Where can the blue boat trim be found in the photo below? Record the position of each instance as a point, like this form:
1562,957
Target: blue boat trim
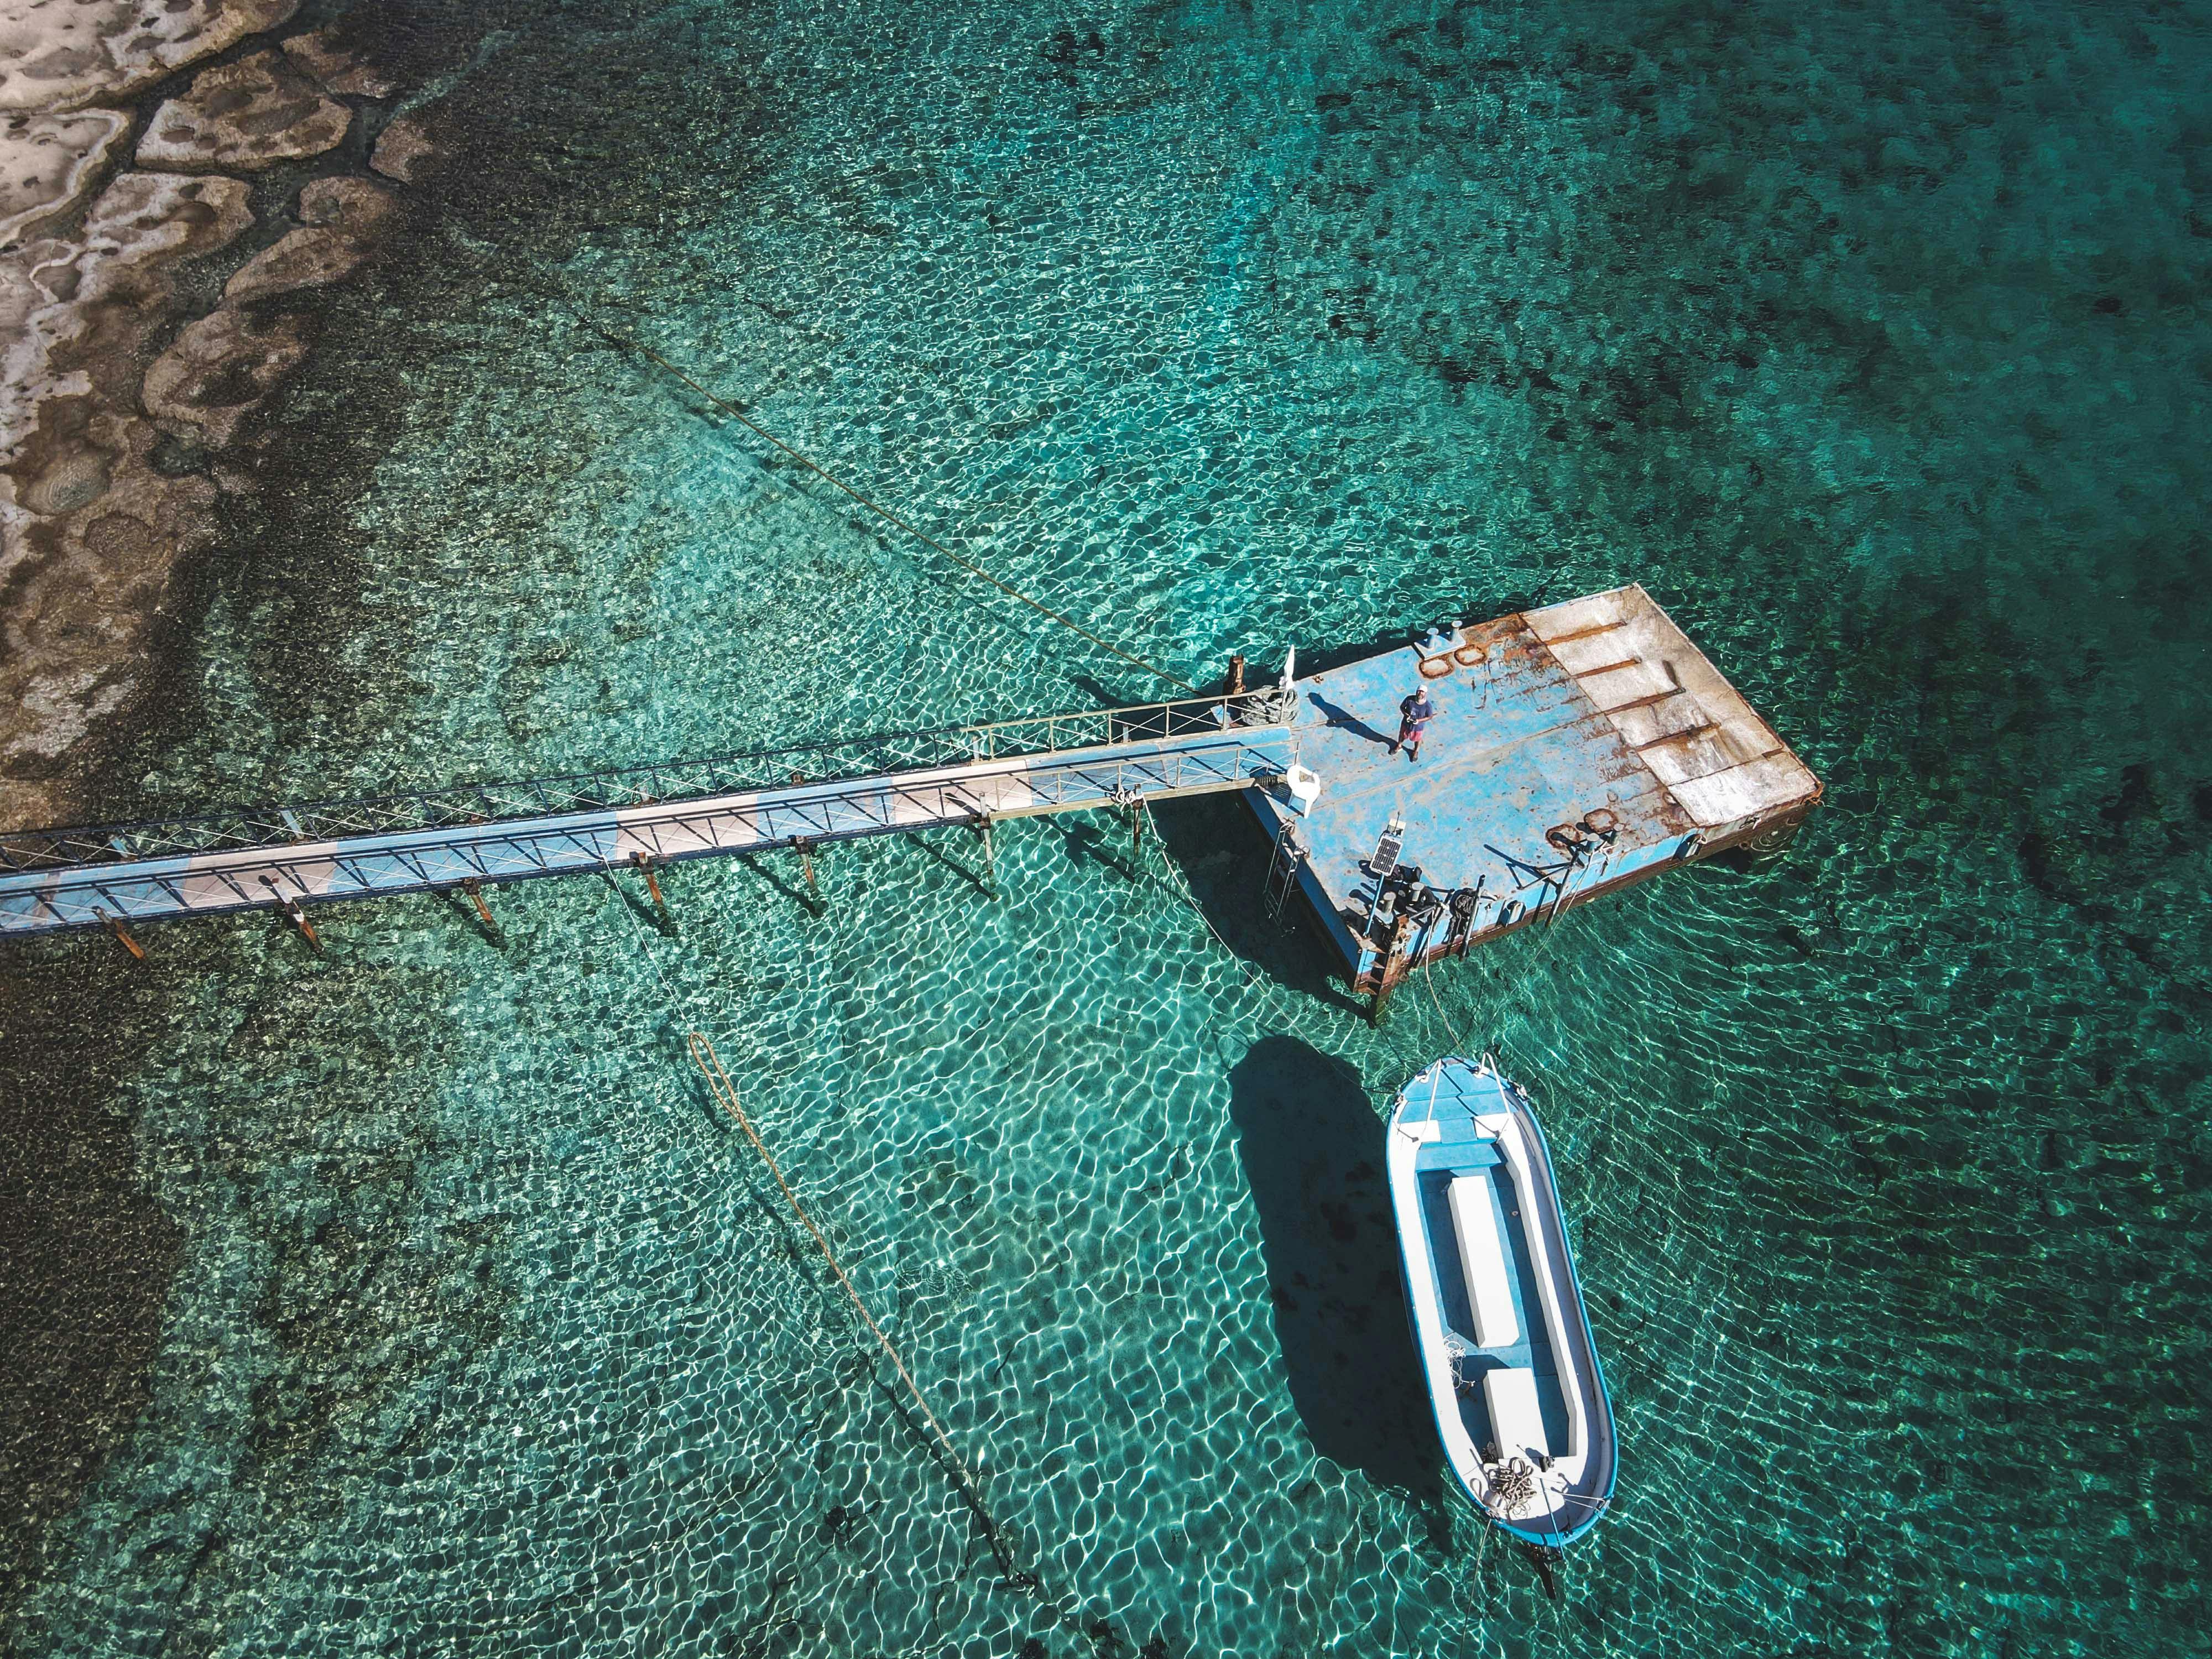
1496,1305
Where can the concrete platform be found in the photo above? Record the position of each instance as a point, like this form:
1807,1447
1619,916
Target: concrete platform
1596,713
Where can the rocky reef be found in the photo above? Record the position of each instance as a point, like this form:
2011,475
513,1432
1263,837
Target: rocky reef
154,298
245,116
124,418
343,221
48,163
62,54
328,58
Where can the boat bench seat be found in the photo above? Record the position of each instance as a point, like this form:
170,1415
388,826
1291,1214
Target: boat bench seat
1457,1154
1516,1420
1482,1259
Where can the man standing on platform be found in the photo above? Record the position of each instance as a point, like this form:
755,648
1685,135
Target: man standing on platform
1414,714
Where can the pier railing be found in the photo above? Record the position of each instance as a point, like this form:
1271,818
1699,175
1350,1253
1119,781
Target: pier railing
456,805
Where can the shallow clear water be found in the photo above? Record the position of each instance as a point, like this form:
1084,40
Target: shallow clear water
1871,340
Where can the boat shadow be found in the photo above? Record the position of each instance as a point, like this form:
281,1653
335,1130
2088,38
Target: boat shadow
1313,1154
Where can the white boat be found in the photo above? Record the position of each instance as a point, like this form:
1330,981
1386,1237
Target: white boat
1497,1318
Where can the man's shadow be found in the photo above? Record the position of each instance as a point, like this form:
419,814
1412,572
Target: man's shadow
1346,720
1312,1149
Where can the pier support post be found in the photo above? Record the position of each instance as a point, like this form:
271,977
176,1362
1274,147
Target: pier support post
114,924
297,916
982,827
1393,965
292,911
474,889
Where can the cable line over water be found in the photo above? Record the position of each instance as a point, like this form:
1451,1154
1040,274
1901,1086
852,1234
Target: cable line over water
624,343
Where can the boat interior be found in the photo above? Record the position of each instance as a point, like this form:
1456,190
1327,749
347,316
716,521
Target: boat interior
1496,1312
1510,1397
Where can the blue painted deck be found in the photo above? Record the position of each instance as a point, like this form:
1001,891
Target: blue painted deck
1541,718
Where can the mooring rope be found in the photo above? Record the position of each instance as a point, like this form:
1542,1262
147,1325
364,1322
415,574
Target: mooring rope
761,432
725,1094
1456,1037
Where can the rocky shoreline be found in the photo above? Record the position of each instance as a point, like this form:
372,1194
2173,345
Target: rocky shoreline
147,318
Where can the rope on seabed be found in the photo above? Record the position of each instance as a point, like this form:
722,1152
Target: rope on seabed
558,290
725,1094
882,512
964,1481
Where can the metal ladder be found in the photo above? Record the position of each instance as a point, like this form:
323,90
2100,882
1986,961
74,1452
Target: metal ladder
1289,858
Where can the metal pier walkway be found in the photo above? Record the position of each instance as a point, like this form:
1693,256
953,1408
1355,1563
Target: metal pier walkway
287,856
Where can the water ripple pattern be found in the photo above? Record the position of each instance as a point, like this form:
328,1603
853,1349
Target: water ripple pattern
1869,339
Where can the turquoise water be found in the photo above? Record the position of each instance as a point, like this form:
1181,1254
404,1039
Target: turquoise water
1872,340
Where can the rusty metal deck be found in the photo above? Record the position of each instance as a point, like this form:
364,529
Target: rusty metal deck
1574,748
1598,711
